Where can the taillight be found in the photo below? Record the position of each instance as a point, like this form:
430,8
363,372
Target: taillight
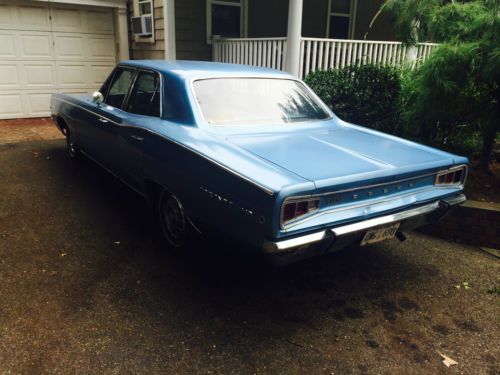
296,209
454,177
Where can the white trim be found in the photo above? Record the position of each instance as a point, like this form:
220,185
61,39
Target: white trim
243,4
351,15
169,29
97,3
121,34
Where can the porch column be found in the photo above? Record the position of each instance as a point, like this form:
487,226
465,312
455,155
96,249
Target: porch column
293,37
122,33
169,29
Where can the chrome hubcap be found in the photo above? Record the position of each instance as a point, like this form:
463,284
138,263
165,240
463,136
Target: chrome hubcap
173,220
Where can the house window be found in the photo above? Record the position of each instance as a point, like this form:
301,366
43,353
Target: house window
143,21
145,7
225,18
340,23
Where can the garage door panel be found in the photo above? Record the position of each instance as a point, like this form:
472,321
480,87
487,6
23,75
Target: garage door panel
6,16
71,75
100,21
9,77
38,75
98,74
11,105
38,103
33,17
73,52
101,48
7,46
69,46
67,19
35,46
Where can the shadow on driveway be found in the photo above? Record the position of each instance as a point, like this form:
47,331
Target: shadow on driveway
88,285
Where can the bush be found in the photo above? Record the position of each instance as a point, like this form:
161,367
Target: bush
394,100
367,95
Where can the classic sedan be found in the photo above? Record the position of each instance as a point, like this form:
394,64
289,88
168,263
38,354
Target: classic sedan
255,155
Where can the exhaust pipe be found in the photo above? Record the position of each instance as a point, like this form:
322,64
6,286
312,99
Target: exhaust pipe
400,236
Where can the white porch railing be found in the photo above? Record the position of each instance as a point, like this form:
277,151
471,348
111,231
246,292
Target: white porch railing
317,53
267,52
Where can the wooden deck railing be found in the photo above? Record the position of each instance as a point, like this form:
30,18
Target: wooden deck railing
317,53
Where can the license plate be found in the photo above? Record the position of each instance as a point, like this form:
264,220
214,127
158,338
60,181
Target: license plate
380,234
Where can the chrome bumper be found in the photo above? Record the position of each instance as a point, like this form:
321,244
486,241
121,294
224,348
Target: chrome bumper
336,233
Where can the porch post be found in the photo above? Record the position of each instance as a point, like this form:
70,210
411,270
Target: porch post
169,29
294,36
121,33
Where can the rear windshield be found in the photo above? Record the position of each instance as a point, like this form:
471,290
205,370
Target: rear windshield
256,101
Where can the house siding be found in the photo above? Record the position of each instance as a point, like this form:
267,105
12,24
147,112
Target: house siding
191,30
270,19
147,50
314,16
267,19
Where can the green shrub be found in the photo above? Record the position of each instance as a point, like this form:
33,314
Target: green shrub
458,86
367,95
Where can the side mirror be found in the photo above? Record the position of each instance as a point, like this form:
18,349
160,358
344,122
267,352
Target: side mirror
97,97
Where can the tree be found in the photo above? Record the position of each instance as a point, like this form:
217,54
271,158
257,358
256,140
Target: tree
457,88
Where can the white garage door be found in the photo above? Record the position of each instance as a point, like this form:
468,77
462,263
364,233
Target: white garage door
47,48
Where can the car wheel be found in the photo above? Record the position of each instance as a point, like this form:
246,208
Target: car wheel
173,220
73,150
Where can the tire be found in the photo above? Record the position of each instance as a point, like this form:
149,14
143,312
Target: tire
173,221
71,146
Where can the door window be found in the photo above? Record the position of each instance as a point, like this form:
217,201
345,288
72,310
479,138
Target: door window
145,96
340,19
119,87
224,18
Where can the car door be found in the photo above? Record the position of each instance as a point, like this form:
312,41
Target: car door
103,121
141,111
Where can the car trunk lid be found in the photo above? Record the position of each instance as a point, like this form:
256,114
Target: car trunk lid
343,155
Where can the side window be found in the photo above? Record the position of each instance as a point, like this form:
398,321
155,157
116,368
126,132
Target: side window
145,96
105,86
119,87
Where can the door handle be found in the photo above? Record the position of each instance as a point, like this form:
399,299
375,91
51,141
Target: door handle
137,138
103,120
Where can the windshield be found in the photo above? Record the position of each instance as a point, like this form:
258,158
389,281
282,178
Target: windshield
256,101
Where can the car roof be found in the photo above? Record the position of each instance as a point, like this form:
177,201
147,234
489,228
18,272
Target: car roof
205,69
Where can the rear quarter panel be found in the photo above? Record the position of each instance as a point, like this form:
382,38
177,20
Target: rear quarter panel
210,194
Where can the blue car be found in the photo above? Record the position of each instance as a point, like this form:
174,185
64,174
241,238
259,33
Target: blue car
253,154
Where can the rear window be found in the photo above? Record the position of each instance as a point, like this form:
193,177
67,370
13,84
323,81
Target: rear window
256,101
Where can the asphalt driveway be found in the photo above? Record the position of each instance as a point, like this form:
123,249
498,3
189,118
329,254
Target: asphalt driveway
87,286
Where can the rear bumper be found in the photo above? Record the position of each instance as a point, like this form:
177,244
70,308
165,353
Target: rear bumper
331,239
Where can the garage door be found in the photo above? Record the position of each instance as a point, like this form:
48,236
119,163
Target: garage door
47,48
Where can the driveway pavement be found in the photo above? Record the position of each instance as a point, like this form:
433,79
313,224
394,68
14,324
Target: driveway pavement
87,286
